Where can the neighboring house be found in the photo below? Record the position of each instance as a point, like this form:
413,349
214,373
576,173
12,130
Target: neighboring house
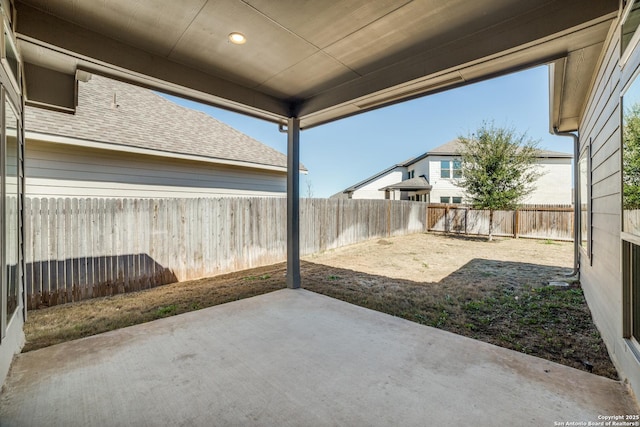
127,141
432,178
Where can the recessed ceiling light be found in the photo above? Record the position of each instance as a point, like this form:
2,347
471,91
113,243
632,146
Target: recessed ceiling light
237,38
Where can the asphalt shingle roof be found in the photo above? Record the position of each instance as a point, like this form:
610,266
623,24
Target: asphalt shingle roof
114,112
452,147
414,184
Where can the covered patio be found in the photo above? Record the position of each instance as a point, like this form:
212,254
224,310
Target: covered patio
303,66
296,358
293,357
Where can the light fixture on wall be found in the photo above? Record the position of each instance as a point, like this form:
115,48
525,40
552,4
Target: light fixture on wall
237,38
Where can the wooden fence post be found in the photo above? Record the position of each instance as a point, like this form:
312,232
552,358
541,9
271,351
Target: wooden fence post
516,223
466,220
389,219
447,225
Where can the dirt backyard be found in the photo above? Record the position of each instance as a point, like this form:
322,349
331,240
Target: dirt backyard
492,291
429,258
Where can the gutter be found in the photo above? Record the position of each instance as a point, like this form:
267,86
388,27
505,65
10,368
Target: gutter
576,202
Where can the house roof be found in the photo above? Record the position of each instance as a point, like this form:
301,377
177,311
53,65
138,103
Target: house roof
317,61
414,184
128,116
453,147
372,177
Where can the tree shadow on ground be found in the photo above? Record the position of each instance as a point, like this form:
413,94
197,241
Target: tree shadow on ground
505,303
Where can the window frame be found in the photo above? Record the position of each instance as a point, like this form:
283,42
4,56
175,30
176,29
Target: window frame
628,279
7,103
452,171
445,197
628,240
456,172
586,248
447,169
7,37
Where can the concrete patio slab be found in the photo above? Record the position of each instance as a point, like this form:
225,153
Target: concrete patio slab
295,358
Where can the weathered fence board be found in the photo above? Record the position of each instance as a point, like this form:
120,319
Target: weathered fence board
84,248
536,221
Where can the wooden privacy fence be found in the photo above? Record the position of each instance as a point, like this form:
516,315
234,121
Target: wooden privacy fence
534,221
82,248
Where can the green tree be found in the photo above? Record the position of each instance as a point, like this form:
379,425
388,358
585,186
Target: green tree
498,168
631,158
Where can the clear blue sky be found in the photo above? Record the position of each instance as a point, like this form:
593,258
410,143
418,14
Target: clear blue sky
344,152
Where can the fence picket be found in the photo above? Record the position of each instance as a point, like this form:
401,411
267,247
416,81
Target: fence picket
536,221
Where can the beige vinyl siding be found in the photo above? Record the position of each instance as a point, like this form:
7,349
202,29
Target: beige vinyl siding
56,170
442,187
601,276
554,186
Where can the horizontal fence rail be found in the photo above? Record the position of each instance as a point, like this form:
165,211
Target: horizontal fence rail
77,249
533,221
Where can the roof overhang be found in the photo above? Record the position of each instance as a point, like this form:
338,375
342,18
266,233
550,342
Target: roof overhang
318,61
571,80
417,184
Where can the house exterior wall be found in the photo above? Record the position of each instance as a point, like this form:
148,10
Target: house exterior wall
12,343
57,170
554,186
600,274
442,187
371,190
421,167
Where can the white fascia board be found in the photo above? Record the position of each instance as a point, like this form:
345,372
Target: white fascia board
57,139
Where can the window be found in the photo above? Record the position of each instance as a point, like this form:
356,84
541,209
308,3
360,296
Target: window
457,169
450,169
411,174
10,59
629,38
585,199
631,290
457,200
445,199
630,234
11,209
445,169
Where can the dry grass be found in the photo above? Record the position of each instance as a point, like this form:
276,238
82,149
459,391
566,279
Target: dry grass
53,325
488,291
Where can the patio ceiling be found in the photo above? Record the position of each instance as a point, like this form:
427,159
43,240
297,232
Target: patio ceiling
318,61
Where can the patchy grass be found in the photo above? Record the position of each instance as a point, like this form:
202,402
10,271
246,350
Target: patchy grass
67,322
551,321
549,242
496,296
169,310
